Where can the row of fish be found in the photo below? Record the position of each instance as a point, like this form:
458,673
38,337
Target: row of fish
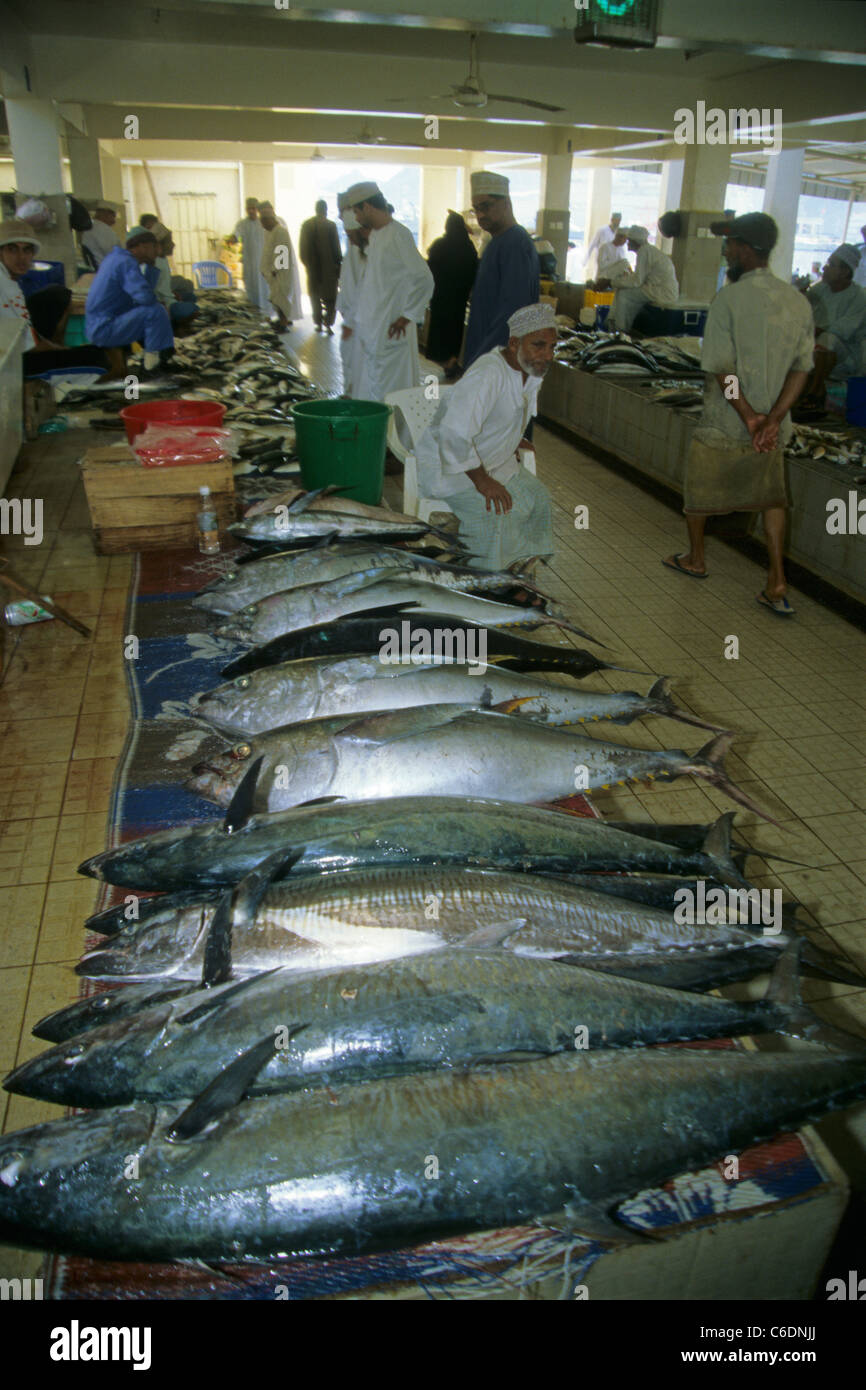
419,962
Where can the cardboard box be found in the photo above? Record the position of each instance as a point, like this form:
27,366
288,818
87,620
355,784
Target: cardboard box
137,508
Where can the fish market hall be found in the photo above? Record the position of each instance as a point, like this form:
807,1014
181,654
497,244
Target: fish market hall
433,667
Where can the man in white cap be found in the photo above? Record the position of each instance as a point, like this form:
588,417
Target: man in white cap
100,239
18,246
250,233
353,270
42,316
508,272
396,290
279,266
839,310
653,280
469,454
604,247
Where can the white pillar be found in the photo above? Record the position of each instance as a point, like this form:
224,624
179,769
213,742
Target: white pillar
112,177
705,177
553,217
35,143
781,201
84,165
598,208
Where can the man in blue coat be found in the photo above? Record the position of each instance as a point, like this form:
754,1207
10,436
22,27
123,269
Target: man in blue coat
122,306
508,273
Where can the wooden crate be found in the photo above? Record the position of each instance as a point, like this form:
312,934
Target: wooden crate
137,508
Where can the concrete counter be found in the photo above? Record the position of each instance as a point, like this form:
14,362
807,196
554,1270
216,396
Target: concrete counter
615,414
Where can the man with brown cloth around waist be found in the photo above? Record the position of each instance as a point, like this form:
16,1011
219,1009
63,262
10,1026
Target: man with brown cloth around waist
757,354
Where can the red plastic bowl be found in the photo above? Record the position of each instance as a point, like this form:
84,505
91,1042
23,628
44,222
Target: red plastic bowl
137,417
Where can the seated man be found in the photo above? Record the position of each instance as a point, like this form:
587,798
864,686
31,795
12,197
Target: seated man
44,313
839,310
122,306
653,280
468,455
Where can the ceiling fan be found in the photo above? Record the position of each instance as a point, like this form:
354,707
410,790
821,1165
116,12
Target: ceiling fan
365,136
472,94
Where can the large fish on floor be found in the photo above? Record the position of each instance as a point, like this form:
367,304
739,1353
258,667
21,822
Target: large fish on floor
348,1170
388,591
444,750
445,1008
306,518
274,574
424,634
325,686
439,830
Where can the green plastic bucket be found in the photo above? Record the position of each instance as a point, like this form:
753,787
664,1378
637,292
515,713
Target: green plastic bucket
343,443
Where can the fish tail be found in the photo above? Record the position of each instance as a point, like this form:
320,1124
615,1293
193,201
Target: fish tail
660,694
798,1019
709,764
570,627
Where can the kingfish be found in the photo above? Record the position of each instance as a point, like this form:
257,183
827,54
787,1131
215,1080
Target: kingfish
301,690
445,1008
348,1170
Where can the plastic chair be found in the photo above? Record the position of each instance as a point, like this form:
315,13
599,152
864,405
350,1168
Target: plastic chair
207,275
411,414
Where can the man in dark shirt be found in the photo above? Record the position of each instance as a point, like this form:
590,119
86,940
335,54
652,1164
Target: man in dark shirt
507,276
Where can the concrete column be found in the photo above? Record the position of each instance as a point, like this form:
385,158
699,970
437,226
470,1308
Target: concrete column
554,215
112,177
35,140
84,165
697,253
705,176
781,201
258,182
598,208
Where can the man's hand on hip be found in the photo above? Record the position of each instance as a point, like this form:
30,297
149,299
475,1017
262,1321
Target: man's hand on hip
398,327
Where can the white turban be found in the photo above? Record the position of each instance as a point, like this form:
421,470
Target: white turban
636,233
360,192
482,181
531,319
849,254
350,221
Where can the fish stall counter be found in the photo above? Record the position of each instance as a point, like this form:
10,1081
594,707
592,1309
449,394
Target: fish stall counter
11,401
647,421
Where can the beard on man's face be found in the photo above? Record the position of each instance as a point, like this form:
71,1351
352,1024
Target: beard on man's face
735,270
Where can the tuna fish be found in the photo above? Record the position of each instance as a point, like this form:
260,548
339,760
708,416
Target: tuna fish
386,592
444,750
326,686
311,517
445,1008
349,1170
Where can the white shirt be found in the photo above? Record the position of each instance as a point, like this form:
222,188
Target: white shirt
602,242
251,235
653,273
482,421
99,240
397,284
352,273
860,272
13,306
608,255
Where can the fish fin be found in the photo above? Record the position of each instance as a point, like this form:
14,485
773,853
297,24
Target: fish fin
238,906
390,610
718,848
320,801
567,626
325,541
493,934
226,1090
242,804
590,1220
709,764
390,726
660,693
217,966
495,1059
216,1001
783,990
829,966
307,499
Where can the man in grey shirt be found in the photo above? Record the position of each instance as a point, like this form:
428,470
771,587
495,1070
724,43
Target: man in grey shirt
757,354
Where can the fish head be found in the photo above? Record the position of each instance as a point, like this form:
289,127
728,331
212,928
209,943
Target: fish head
217,777
227,706
240,625
97,1069
165,944
161,857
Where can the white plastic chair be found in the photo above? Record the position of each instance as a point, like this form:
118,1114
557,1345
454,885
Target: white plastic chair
411,414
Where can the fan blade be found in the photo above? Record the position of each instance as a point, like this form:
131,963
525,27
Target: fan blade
524,101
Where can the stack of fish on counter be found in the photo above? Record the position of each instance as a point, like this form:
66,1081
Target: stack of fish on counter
617,354
383,951
235,358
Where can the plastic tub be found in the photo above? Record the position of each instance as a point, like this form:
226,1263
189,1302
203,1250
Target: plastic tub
855,404
137,417
343,443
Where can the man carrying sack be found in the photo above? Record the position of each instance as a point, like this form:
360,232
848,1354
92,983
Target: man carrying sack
757,354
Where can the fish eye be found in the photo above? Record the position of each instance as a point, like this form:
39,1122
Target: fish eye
232,574
242,682
242,750
251,608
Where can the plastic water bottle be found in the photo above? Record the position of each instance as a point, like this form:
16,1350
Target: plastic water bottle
208,527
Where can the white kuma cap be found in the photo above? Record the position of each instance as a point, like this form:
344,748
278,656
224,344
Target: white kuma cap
531,319
482,181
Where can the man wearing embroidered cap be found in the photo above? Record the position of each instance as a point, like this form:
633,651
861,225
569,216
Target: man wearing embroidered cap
122,306
839,310
396,290
508,272
469,454
757,352
653,280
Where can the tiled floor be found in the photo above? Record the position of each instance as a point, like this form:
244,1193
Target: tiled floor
796,696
